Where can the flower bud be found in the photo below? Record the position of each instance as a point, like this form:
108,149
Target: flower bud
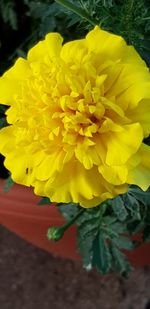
55,233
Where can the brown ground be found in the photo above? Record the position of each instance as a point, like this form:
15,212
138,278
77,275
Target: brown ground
33,279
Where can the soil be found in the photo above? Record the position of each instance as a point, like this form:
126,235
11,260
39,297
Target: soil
33,279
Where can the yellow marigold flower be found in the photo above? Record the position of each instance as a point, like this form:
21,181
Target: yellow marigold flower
78,115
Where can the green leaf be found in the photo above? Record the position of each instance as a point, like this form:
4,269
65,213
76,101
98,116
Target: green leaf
2,109
135,227
101,255
133,205
120,261
146,234
8,13
123,242
103,207
109,220
86,234
91,214
119,227
140,195
85,248
147,216
44,201
68,210
3,122
119,208
8,184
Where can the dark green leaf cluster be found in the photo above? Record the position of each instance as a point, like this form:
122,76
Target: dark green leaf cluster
129,18
8,13
3,122
104,233
44,201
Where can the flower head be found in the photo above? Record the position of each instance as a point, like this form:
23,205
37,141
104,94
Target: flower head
78,115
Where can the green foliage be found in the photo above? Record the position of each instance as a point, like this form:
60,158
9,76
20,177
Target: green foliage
8,13
44,201
3,122
129,18
104,232
8,184
119,208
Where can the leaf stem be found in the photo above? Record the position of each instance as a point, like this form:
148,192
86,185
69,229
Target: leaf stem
73,220
55,232
77,10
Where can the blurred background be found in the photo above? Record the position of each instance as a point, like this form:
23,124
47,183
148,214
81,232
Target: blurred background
31,278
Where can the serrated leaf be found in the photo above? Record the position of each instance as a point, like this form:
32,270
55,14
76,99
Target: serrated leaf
12,18
101,255
121,263
85,244
68,210
119,208
89,214
132,204
75,19
103,207
89,227
140,195
9,13
119,227
109,220
44,201
123,242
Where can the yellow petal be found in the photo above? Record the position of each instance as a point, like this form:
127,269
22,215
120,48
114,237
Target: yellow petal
39,187
18,163
133,94
47,168
141,114
131,56
49,47
131,85
79,185
115,175
140,175
122,145
109,125
74,52
10,81
99,41
5,139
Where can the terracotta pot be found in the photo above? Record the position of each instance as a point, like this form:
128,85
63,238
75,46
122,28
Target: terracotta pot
20,214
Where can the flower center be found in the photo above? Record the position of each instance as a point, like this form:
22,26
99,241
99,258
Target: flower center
80,113
65,108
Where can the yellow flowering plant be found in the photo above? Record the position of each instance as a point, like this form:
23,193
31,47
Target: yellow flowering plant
78,115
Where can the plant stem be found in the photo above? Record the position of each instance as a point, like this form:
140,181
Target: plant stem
73,220
55,232
77,10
